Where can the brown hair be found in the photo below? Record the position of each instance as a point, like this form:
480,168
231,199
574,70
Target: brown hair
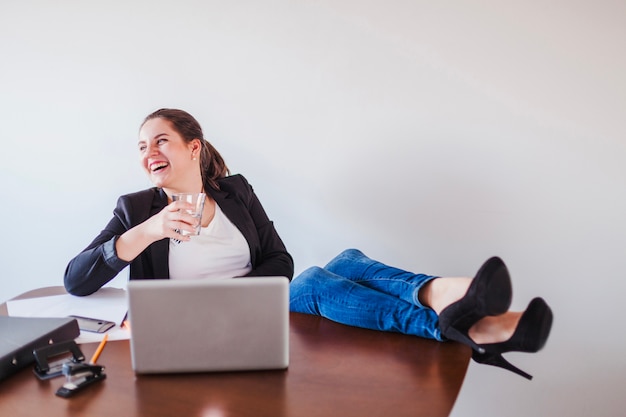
212,165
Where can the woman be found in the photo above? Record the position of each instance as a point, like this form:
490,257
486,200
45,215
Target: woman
147,228
238,239
356,290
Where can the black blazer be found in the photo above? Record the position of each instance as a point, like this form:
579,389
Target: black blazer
98,263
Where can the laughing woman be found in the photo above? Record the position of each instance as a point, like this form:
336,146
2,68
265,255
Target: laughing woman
147,230
238,239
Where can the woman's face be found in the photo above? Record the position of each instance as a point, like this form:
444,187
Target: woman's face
166,157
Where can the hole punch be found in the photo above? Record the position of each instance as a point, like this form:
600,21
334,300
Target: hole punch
49,360
55,360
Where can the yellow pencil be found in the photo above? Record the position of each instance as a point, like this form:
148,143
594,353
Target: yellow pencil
98,351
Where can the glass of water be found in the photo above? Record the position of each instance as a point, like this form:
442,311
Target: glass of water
197,200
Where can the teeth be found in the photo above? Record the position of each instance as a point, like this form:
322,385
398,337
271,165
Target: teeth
158,166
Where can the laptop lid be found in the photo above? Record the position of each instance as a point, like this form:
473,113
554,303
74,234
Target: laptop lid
209,325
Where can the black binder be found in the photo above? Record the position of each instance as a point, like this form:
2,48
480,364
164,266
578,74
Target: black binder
19,336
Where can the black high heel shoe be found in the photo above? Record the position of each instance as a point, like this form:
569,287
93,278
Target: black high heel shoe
489,294
530,335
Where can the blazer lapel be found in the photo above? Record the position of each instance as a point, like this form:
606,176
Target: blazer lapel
160,250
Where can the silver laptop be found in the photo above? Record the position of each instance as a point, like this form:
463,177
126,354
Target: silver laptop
209,325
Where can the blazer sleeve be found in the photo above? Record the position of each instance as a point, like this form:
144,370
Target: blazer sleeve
98,263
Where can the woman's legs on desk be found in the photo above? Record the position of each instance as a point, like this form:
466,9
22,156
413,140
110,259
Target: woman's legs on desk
356,290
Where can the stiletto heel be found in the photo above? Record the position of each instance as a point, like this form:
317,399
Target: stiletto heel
530,336
456,335
499,361
489,294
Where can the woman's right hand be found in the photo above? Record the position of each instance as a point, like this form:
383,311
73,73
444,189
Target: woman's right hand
168,223
171,222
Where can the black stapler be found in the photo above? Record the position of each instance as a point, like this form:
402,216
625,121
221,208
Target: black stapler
79,375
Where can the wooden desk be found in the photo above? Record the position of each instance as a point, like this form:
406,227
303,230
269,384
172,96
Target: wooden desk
334,370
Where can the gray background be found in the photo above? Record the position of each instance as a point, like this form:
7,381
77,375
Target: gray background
431,135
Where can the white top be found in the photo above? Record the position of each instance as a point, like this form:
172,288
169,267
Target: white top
219,251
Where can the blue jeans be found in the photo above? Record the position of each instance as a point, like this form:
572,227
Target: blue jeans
358,291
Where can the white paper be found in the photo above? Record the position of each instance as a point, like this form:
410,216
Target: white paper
105,304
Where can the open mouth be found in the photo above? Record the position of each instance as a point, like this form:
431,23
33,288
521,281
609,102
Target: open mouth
158,166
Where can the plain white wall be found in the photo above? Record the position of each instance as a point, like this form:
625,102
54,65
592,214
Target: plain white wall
431,135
